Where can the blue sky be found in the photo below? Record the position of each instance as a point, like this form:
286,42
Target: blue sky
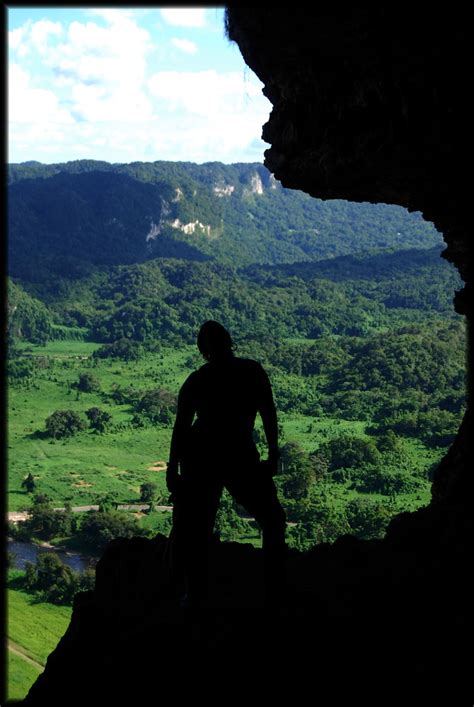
130,83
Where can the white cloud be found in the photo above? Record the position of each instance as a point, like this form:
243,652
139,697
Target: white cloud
16,36
122,41
112,14
184,16
96,104
17,39
105,68
206,92
206,115
185,45
98,101
41,31
33,105
200,139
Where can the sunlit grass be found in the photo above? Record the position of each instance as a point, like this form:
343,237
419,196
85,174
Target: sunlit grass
36,627
20,676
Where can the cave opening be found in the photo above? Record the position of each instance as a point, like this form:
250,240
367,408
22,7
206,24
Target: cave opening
380,613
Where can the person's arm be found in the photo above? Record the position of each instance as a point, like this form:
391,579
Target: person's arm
269,418
182,425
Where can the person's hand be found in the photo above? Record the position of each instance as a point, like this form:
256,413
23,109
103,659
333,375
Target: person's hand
273,459
271,466
172,478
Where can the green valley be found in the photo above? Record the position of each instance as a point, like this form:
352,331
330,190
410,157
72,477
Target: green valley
112,271
113,268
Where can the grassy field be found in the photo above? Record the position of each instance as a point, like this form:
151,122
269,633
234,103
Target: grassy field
20,676
87,465
35,629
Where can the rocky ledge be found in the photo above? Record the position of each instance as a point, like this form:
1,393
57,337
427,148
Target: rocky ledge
357,619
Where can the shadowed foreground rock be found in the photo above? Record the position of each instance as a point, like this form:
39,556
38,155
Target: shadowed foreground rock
356,619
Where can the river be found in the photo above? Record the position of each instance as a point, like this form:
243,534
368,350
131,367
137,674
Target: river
28,552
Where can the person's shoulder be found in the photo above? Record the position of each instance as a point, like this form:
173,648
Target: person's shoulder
200,372
250,364
246,361
194,377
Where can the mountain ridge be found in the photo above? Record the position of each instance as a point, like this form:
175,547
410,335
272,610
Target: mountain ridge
66,217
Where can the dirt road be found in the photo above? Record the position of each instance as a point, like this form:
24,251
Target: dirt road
18,650
20,516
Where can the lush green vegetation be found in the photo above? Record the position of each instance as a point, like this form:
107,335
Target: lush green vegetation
28,318
348,364
54,581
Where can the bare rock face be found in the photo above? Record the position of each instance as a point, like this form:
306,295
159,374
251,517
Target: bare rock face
372,104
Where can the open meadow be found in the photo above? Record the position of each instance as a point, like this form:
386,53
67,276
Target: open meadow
82,468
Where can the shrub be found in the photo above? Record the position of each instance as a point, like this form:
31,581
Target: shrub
64,423
29,483
148,491
123,348
349,451
46,523
122,396
100,527
372,479
88,383
19,369
54,580
368,519
298,471
98,419
156,406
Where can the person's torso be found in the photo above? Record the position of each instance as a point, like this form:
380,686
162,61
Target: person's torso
226,397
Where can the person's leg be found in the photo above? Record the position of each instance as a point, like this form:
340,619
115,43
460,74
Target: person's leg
194,514
255,490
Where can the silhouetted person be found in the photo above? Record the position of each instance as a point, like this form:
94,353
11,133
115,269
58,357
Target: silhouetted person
212,447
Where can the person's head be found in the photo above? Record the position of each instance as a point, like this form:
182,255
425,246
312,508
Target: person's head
214,341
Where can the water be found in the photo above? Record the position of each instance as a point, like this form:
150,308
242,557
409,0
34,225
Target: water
28,552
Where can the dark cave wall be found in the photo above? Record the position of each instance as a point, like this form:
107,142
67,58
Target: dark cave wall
367,106
373,105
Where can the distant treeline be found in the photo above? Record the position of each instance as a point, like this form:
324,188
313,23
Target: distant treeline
168,299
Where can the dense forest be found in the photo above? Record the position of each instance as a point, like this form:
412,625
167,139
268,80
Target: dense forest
112,270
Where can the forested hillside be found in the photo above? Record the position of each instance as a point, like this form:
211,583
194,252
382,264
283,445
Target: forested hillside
69,219
167,299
